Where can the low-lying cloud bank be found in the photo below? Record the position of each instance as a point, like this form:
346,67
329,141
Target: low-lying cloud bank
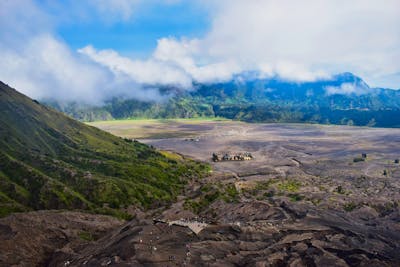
172,63
347,89
295,40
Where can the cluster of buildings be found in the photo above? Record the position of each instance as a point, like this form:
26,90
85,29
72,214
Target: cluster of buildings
231,156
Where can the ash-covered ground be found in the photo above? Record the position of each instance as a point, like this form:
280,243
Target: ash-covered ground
311,196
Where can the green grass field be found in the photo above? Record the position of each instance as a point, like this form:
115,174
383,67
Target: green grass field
155,128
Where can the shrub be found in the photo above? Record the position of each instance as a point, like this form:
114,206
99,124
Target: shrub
87,236
296,197
349,206
269,194
289,186
340,189
211,193
358,159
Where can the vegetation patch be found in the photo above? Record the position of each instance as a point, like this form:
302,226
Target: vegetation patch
289,186
211,193
171,156
350,206
258,190
87,236
265,185
295,197
358,159
340,190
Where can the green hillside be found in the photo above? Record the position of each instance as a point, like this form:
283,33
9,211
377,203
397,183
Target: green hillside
50,161
252,99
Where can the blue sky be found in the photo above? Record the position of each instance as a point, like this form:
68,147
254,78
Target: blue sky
137,36
90,50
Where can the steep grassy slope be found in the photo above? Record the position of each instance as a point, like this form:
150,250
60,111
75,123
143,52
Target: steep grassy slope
50,161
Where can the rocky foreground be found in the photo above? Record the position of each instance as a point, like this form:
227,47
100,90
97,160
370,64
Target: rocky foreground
306,199
33,238
241,233
262,235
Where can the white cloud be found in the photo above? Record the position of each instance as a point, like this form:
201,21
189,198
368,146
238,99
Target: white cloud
347,89
145,72
172,64
292,71
186,53
20,19
329,36
45,67
38,64
297,40
300,41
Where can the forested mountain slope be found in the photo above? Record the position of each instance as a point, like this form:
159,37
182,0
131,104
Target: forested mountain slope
342,99
50,161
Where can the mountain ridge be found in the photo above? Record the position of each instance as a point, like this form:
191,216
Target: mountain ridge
50,161
343,99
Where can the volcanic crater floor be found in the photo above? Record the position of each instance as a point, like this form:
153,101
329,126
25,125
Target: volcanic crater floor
308,198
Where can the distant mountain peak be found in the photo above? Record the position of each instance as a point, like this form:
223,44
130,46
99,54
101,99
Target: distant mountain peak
349,77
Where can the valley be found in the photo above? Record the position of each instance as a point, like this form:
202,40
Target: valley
308,198
302,195
176,133
309,195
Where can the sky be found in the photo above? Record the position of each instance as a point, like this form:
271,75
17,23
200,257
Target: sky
91,50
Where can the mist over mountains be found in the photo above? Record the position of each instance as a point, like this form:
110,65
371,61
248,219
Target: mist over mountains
92,51
342,99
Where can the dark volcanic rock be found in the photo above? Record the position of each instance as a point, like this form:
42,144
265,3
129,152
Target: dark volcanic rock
326,239
30,239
